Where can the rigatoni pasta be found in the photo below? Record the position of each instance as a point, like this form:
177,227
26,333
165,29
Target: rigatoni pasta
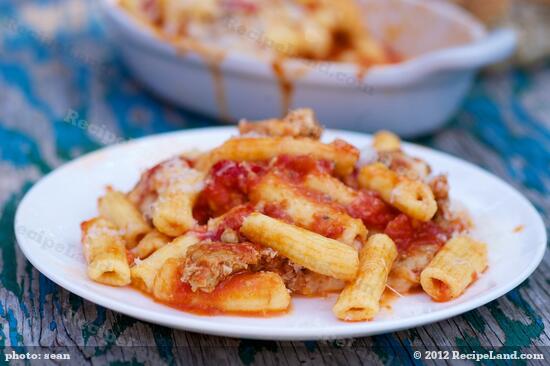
150,243
384,141
307,212
405,274
145,271
105,252
414,198
360,299
240,228
260,292
303,247
454,267
173,211
332,187
343,155
115,207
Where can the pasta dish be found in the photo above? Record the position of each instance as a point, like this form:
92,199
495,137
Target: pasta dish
310,29
275,212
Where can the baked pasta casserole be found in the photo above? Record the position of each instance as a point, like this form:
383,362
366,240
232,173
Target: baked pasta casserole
310,29
275,212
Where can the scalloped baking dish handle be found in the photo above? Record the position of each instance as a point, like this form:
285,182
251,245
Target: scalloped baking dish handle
496,46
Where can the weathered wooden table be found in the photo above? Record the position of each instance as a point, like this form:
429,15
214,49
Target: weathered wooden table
54,59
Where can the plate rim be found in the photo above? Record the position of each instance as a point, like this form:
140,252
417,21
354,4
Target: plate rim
205,325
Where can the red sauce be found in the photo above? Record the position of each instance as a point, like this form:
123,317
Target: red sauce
443,291
369,207
326,226
388,298
233,220
286,87
406,232
203,303
519,229
228,185
230,182
201,210
130,257
323,224
145,188
315,295
149,6
201,232
247,7
345,147
277,211
296,168
352,180
319,197
214,64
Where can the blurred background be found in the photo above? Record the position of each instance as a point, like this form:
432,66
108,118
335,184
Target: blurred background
58,63
531,18
64,91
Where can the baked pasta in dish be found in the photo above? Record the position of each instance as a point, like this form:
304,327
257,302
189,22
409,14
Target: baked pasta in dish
275,212
310,29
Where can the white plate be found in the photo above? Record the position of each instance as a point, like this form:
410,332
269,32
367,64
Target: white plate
48,232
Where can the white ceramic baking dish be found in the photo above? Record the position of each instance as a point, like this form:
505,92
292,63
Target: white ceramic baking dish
443,45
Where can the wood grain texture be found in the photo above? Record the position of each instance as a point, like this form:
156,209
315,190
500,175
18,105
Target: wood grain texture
55,63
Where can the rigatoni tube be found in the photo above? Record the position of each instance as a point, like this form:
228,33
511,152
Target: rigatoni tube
411,197
305,248
144,273
360,300
115,207
105,252
454,267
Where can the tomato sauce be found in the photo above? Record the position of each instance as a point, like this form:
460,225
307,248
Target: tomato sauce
236,218
228,185
320,198
130,257
369,207
277,211
211,303
326,226
296,168
229,182
247,7
443,291
201,210
145,187
406,232
231,220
